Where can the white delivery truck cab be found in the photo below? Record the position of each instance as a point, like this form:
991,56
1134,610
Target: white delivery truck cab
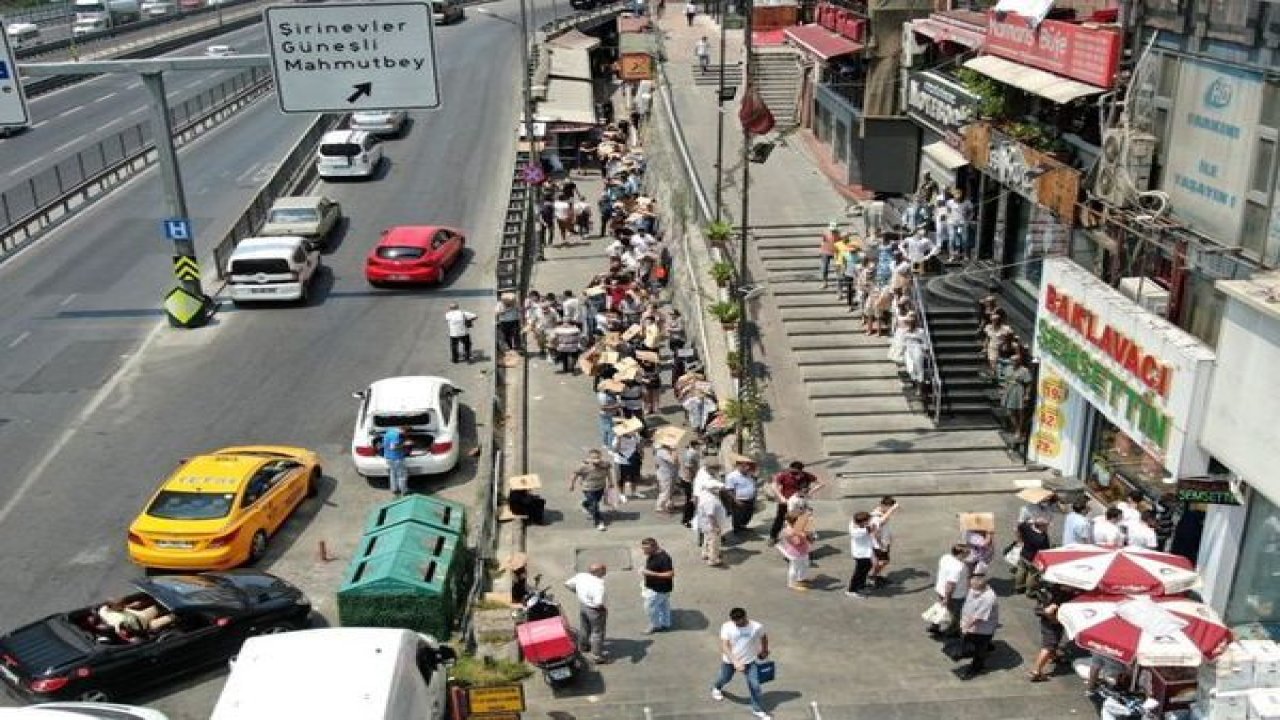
337,674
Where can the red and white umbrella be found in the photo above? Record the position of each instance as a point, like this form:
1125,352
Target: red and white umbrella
1152,631
1122,571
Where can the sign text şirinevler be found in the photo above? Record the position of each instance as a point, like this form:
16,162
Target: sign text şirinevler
363,41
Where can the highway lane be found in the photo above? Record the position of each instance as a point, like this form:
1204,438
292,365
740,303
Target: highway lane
78,116
262,375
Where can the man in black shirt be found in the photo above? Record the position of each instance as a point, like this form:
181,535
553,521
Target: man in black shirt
659,580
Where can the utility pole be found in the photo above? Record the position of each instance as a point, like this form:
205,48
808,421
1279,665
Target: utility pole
720,119
171,177
747,381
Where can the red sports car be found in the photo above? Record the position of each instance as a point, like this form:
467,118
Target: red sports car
414,254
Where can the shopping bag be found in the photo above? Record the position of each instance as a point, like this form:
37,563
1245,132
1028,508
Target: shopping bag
937,614
766,671
1013,554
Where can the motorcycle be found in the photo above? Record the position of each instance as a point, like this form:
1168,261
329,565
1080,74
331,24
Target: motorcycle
1116,704
545,638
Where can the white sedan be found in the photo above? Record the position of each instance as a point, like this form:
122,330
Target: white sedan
426,406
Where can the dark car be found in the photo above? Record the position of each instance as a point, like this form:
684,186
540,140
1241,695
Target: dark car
76,655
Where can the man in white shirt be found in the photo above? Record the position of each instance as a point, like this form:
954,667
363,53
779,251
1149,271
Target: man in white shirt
881,539
592,612
1131,508
742,484
743,644
860,547
1142,534
918,248
952,586
1107,531
703,52
459,324
571,308
959,210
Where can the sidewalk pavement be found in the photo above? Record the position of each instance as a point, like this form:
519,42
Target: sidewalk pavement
852,658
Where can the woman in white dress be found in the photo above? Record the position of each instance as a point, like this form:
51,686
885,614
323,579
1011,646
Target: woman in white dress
912,340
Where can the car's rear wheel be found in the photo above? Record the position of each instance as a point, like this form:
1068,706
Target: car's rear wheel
258,546
313,481
95,695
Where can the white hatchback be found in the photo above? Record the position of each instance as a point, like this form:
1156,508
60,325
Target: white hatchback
348,153
266,269
427,406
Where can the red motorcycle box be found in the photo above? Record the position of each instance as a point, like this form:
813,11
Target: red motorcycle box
545,640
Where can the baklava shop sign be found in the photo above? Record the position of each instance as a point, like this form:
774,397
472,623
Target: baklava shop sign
1145,374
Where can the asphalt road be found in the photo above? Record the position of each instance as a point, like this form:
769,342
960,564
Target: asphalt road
101,398
79,116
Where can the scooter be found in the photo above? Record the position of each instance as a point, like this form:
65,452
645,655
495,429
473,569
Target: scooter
545,638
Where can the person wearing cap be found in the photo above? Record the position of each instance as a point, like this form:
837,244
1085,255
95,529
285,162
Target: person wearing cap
699,407
507,316
711,519
627,457
827,249
459,323
666,470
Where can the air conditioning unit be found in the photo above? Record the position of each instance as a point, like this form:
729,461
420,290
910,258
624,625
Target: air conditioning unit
1133,151
1148,294
1110,185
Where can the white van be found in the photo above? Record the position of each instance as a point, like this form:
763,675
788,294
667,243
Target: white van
348,153
22,34
337,674
272,269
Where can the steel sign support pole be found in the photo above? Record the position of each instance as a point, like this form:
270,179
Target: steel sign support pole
167,159
746,382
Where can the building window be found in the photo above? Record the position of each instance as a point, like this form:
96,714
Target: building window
1255,594
1263,170
1254,235
1168,86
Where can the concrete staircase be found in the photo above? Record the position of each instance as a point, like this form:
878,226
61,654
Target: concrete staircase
778,78
870,421
711,78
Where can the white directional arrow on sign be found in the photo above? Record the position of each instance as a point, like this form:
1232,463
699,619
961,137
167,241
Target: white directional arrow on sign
13,103
349,57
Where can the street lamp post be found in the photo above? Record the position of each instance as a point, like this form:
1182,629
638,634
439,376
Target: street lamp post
745,382
720,119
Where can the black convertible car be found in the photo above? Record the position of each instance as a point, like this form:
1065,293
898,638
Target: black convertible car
203,621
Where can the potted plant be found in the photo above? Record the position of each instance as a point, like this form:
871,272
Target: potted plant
744,413
734,361
722,273
992,99
718,233
726,311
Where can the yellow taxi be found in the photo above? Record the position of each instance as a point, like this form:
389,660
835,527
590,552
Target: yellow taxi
217,511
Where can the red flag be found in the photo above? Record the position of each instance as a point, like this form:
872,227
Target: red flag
755,116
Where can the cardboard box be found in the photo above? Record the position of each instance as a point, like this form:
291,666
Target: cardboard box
1264,655
524,482
631,332
1264,704
1035,495
628,426
649,357
1225,706
608,358
984,521
1232,671
669,436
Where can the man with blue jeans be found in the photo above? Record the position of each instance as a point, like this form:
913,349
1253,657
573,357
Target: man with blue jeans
395,448
743,643
659,580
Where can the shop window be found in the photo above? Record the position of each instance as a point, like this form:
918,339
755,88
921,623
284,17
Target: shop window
1118,463
1037,235
1254,235
1264,173
1255,593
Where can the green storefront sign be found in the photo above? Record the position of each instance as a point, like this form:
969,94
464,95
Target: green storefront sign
1139,409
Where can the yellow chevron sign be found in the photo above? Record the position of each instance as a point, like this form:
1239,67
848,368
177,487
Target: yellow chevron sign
186,268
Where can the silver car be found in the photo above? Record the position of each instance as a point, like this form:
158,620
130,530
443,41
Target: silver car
379,122
312,217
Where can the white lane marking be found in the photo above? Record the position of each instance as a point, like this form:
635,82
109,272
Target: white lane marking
66,145
37,472
67,300
18,340
65,113
108,96
134,84
25,165
40,124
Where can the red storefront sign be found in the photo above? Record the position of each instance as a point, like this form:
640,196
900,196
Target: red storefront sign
1082,53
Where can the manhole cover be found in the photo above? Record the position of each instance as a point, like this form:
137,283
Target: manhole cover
614,557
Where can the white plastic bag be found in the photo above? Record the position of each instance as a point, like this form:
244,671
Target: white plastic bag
1014,555
937,614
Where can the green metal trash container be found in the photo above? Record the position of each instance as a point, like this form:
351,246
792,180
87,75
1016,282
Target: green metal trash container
442,514
398,589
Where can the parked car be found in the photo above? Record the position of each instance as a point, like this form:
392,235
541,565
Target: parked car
219,51
383,123
276,269
312,217
349,672
426,405
81,711
22,34
444,12
348,153
218,511
158,8
414,254
76,655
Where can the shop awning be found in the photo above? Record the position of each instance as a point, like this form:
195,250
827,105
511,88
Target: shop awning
572,64
822,42
574,40
945,155
1045,84
939,31
569,101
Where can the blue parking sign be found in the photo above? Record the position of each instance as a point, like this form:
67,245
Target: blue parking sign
4,70
177,229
